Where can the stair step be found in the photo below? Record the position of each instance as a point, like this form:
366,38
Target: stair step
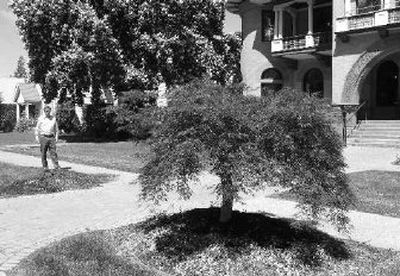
376,133
374,140
378,145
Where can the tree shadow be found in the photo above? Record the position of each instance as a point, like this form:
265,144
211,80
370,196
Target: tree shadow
187,233
81,138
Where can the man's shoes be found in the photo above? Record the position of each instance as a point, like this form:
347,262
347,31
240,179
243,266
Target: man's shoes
46,169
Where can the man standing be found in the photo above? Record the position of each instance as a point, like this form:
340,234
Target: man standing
47,136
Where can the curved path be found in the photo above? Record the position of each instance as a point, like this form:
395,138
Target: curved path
30,222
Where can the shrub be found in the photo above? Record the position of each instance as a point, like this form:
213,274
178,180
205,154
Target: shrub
25,124
7,117
132,118
285,139
67,119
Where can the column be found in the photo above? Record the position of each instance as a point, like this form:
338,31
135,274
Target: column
27,111
309,36
18,112
347,8
310,17
280,33
276,24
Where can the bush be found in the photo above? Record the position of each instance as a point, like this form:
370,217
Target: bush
7,117
67,119
249,142
132,118
25,124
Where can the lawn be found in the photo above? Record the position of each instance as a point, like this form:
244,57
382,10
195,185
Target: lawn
18,180
17,138
125,156
376,192
194,243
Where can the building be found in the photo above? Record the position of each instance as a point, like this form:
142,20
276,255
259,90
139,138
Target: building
345,50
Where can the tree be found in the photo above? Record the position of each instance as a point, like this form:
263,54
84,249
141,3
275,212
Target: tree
20,72
249,143
125,44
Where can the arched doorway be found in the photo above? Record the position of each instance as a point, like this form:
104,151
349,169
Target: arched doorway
387,83
382,90
313,82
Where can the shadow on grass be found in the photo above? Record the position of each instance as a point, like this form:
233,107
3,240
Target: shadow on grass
81,138
193,231
81,254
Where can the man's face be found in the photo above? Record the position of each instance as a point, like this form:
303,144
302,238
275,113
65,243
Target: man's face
47,111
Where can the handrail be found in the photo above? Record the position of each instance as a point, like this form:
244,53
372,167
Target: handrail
346,120
358,109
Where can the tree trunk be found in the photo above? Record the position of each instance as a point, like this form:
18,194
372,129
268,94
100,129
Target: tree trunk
227,199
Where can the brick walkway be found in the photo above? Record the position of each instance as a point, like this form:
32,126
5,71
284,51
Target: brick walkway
30,222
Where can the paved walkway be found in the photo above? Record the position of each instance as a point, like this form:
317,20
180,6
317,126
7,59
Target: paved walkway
30,222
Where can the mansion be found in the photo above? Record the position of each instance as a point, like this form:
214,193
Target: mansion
345,50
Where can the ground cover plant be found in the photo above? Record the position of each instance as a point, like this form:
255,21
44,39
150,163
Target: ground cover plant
377,192
17,180
195,243
126,155
249,142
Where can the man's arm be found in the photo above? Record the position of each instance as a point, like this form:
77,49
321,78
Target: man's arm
56,130
37,129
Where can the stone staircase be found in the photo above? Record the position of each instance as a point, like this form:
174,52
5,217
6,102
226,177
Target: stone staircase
378,133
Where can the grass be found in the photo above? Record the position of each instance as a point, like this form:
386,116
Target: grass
17,138
376,192
17,180
126,155
194,243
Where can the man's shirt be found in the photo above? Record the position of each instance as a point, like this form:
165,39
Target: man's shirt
46,126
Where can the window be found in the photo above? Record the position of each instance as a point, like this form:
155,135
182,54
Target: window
365,6
314,83
267,25
271,82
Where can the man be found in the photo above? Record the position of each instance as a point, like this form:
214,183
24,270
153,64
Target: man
47,136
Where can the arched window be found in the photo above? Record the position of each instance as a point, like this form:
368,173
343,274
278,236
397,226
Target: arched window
271,82
314,82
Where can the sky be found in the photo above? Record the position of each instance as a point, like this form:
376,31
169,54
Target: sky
11,46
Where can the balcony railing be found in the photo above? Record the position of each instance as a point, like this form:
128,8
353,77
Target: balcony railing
294,43
301,42
394,15
374,18
362,21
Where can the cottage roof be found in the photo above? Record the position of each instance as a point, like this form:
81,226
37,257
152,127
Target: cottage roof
29,91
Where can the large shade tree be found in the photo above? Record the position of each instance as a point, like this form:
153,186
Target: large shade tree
284,140
74,44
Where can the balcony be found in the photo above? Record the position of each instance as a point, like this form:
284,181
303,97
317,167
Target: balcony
374,19
298,46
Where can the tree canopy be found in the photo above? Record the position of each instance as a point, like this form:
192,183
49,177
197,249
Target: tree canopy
249,143
77,44
20,71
